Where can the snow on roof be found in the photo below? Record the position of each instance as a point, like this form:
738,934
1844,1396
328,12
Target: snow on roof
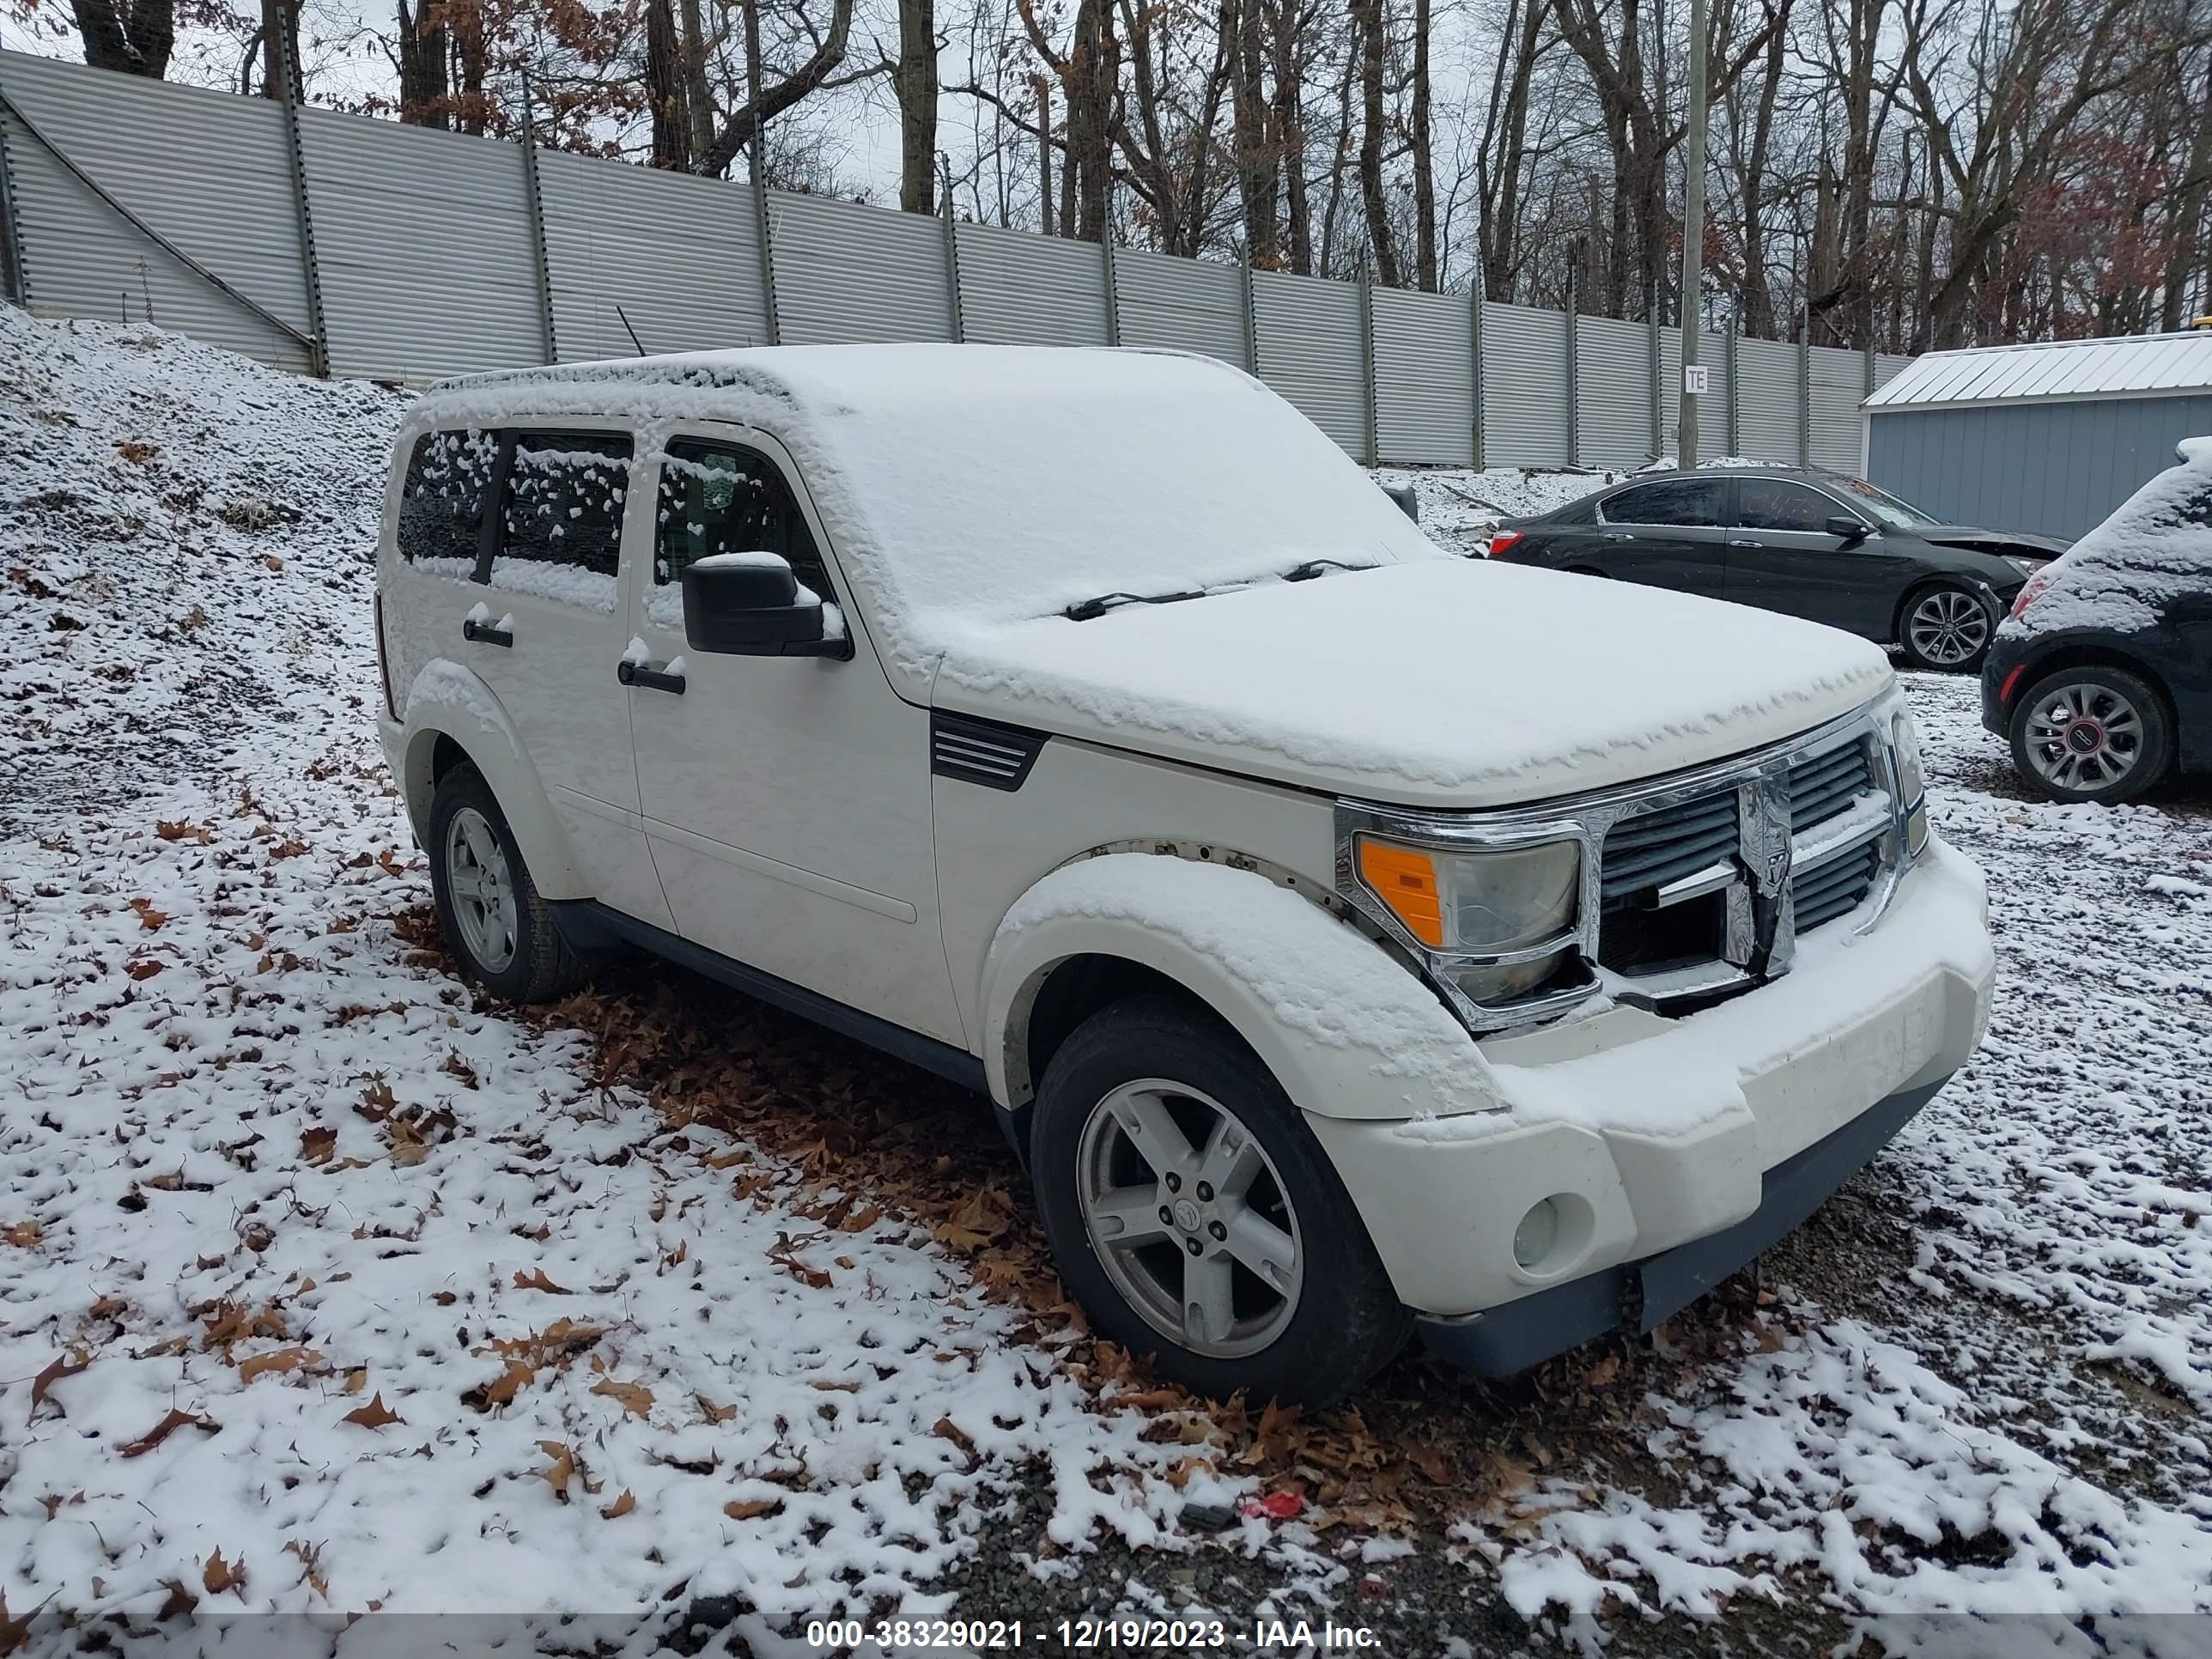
967,486
2143,365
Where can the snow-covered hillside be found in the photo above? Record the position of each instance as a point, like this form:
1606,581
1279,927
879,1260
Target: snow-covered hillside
326,1286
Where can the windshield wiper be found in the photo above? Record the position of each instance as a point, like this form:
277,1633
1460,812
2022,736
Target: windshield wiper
1312,567
1090,610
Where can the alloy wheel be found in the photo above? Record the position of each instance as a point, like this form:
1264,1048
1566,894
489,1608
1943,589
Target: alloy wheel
1948,626
1191,1218
481,888
2084,737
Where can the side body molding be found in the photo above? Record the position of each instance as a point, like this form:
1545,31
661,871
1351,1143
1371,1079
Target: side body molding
447,700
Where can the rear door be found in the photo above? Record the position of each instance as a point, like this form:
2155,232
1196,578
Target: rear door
547,631
1666,533
1781,557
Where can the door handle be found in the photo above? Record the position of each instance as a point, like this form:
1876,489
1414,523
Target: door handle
485,634
1744,541
653,679
1617,536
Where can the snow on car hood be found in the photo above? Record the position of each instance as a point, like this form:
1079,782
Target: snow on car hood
1444,682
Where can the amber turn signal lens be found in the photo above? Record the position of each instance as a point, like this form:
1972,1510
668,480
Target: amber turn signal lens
1404,880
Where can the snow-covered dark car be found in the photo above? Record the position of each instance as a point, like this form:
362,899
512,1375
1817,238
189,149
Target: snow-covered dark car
2102,679
1821,546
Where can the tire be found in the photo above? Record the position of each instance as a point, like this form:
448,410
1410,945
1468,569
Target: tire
499,927
1309,1334
1945,627
2091,733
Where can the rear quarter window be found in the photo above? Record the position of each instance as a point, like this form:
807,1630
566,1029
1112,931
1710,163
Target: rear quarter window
561,516
441,502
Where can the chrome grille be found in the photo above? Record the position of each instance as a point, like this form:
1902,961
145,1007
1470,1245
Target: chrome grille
1824,785
1693,886
1644,853
1835,888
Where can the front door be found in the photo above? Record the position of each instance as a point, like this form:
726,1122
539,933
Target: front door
787,799
1666,533
547,637
1781,557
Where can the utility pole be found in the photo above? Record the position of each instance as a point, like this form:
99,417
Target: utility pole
757,173
1693,242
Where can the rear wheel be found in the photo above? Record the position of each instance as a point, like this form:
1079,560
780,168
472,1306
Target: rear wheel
1195,1217
499,927
2091,735
1946,625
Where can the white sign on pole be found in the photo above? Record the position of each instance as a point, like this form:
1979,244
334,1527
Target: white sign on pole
1695,378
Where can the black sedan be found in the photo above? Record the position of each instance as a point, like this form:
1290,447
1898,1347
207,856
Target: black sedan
1810,544
2101,681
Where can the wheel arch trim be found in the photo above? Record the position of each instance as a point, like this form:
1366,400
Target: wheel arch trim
1336,1078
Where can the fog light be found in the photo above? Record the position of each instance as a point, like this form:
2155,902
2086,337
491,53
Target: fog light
1539,1231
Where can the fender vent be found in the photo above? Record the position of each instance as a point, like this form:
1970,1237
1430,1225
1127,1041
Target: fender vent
981,752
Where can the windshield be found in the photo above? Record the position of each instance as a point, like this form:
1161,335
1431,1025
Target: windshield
1011,485
1882,507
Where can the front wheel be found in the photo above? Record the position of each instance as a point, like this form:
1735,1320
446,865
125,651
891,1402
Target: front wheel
1946,627
1197,1219
2091,735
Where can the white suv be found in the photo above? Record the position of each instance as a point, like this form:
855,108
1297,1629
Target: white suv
1351,936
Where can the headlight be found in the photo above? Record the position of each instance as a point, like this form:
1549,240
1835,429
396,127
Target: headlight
1911,773
1506,902
2025,567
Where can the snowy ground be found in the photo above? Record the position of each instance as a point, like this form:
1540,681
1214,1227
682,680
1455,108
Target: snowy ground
326,1287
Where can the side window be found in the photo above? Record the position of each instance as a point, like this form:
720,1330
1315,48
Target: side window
1677,501
561,516
716,498
442,503
1779,504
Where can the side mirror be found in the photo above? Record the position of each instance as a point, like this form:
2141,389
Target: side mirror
1408,499
750,605
1850,529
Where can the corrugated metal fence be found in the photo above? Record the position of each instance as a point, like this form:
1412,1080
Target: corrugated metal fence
328,243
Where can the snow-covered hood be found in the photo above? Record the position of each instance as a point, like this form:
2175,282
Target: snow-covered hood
1445,682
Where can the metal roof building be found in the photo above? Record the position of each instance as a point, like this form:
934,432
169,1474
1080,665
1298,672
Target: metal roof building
2047,438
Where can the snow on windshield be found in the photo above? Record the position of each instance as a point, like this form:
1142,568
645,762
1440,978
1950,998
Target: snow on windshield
1015,483
2156,545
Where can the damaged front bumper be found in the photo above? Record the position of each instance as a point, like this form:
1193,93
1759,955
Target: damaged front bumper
1660,1154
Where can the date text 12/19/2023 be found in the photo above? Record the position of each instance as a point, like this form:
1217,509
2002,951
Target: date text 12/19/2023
1285,1636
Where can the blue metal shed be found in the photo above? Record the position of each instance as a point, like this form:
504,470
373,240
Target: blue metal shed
2048,438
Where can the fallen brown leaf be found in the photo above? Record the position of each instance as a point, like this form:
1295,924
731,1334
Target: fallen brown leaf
162,1430
220,1575
636,1399
180,1601
23,1234
376,1414
751,1509
622,1506
64,1365
537,1281
149,918
283,1360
